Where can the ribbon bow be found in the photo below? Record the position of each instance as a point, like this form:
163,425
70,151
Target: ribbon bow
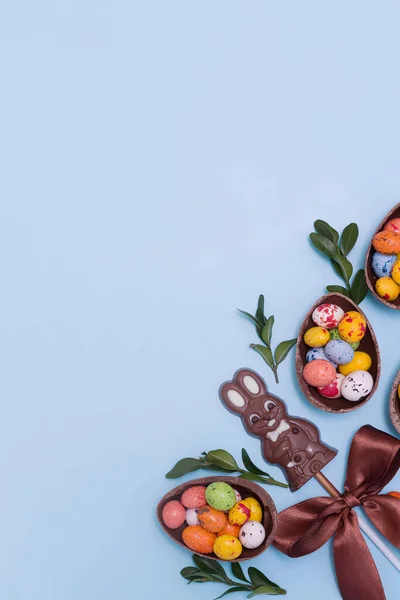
374,459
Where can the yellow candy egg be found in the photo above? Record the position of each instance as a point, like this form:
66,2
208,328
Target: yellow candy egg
256,513
316,337
240,513
361,362
227,547
387,289
352,327
396,271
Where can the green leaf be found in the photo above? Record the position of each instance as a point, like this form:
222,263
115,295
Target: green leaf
231,591
283,349
184,466
267,590
253,477
237,571
249,316
222,459
326,230
209,566
250,466
348,238
336,268
338,289
266,332
345,266
258,578
189,572
359,288
265,353
260,312
323,244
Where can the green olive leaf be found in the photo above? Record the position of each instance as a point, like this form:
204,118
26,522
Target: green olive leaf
237,572
250,466
184,466
265,353
222,459
283,349
253,477
359,288
338,289
326,230
266,333
249,316
267,590
336,268
348,238
231,591
189,572
260,312
345,266
323,244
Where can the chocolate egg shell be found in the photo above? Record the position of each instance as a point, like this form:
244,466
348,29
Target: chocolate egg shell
368,344
394,403
371,278
246,489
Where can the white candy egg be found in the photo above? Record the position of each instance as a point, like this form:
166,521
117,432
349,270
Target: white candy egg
252,535
357,385
191,516
238,496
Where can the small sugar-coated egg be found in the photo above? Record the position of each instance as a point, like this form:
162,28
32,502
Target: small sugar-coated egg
230,529
238,496
332,390
240,513
361,362
396,272
327,315
334,334
387,289
393,225
352,327
316,337
211,519
191,516
220,495
173,514
252,535
198,539
382,264
194,497
354,345
395,494
318,353
387,242
319,373
339,352
357,385
256,513
227,547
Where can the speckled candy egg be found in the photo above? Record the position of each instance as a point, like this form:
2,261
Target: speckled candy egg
361,362
252,535
238,496
240,513
319,373
198,539
316,337
332,390
393,225
227,547
230,529
339,352
382,264
173,514
318,353
220,496
387,289
335,335
357,385
256,513
191,516
387,242
352,327
211,519
396,271
327,315
194,497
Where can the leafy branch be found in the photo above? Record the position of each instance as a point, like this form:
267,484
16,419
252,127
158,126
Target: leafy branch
221,460
264,327
207,570
327,240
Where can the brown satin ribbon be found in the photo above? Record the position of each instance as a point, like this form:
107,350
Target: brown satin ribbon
374,460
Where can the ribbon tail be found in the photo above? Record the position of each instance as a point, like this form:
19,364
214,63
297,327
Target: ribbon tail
356,572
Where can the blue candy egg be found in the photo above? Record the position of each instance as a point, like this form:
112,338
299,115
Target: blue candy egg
318,353
382,264
339,352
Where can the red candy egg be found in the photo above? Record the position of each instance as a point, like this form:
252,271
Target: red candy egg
194,497
319,373
332,390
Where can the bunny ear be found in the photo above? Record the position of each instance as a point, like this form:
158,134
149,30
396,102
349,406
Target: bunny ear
233,397
251,382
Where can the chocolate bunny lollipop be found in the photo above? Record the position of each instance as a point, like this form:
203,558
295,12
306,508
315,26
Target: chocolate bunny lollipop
290,442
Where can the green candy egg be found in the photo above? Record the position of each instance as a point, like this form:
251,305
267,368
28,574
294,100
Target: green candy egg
335,335
220,495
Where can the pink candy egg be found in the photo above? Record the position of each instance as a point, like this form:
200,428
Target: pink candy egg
328,315
173,514
194,497
332,390
393,225
319,373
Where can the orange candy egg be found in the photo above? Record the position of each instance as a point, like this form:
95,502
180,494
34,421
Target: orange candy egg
387,242
393,225
198,539
230,529
211,519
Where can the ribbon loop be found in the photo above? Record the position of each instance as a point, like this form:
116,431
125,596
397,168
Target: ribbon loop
350,500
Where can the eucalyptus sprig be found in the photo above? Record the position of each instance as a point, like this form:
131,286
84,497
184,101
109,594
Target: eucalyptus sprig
221,460
327,240
264,327
207,570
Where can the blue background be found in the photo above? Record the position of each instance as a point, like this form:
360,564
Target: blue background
162,163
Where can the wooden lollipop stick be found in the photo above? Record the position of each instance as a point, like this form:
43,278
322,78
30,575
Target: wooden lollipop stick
364,526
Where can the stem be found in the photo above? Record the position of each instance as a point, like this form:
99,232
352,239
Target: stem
275,370
277,483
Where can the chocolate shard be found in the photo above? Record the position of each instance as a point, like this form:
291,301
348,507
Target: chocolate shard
394,403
